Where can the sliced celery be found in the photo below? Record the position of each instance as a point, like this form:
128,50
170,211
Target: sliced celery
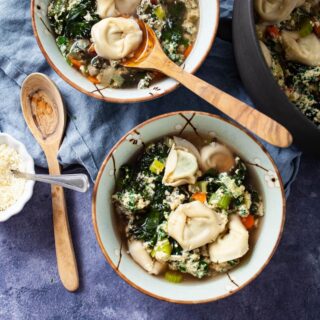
156,166
202,185
160,13
164,247
224,201
306,28
173,277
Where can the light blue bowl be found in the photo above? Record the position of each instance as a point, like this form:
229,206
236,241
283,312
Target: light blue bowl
265,177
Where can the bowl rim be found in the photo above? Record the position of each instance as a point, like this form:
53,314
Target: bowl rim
97,184
121,100
28,192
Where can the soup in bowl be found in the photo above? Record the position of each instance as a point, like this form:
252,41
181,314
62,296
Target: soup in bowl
188,207
89,38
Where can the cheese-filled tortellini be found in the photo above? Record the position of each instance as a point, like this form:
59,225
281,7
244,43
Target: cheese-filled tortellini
216,156
142,257
182,164
275,11
106,8
193,225
233,245
116,38
114,8
187,145
305,50
127,6
266,53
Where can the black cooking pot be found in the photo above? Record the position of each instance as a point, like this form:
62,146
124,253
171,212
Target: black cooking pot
260,83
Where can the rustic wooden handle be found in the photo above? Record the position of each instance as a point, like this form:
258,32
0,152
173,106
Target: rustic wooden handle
257,122
66,259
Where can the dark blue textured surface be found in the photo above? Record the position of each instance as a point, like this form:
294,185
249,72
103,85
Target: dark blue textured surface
289,288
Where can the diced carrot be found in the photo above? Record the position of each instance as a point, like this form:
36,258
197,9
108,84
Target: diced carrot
93,80
273,31
200,196
188,51
248,221
75,63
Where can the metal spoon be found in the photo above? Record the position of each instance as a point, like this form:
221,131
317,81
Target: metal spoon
45,116
151,56
77,182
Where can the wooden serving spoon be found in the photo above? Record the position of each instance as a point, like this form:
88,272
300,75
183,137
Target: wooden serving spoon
45,116
150,55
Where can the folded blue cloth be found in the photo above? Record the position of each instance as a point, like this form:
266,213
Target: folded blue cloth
94,126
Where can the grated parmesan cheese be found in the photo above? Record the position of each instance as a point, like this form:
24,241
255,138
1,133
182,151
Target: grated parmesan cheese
11,188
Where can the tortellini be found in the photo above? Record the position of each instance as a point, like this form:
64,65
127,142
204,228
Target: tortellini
233,245
127,6
266,53
116,38
187,145
143,258
114,8
305,50
193,225
182,164
216,156
275,11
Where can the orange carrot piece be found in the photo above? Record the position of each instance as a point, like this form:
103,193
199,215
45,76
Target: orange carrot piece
200,196
188,51
248,221
75,63
273,31
93,80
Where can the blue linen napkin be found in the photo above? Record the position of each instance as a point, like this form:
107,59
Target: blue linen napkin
94,126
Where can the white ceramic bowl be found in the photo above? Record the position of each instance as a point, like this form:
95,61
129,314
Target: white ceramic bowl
29,167
209,19
266,179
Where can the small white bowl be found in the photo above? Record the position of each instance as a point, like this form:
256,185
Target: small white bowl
29,167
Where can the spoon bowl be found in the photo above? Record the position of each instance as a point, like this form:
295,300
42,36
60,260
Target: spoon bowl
150,55
45,115
41,103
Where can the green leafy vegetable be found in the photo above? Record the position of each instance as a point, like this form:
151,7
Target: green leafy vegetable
145,228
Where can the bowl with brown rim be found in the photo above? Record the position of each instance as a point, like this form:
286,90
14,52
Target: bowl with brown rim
265,177
207,28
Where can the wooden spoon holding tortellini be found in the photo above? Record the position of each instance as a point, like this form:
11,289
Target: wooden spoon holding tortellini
137,45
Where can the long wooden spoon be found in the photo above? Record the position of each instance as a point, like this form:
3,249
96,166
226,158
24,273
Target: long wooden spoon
151,56
44,113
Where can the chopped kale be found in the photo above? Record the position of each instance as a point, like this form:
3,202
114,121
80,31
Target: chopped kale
145,227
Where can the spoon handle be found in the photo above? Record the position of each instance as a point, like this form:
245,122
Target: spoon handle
257,122
66,259
77,182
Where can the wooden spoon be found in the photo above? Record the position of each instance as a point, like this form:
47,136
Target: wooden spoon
150,55
44,113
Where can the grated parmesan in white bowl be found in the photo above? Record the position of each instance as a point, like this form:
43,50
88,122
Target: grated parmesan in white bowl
14,192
